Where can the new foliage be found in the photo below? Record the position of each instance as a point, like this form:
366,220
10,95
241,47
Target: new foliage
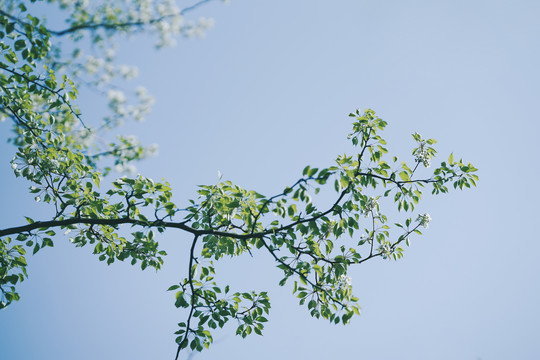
57,152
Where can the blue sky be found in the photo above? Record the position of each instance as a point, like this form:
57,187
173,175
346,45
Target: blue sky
268,92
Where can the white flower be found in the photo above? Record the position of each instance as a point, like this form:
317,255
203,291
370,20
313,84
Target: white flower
385,250
105,78
53,164
128,72
13,166
168,7
116,96
93,64
109,68
37,198
424,219
163,26
109,54
144,106
126,169
344,282
371,205
423,157
84,136
141,91
176,23
130,139
422,154
151,150
206,23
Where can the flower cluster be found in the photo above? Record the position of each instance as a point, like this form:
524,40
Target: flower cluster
128,149
117,98
422,154
128,72
128,169
105,71
344,282
93,64
150,150
138,111
144,105
371,205
85,136
424,219
172,24
386,250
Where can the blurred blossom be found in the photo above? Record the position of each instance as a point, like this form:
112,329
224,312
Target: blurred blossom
151,150
116,96
125,169
128,72
93,64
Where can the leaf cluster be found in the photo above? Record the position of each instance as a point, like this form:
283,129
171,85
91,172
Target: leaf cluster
313,244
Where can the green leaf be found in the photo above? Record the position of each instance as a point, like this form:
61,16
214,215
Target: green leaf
10,27
20,44
404,176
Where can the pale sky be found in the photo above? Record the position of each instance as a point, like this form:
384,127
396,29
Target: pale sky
268,92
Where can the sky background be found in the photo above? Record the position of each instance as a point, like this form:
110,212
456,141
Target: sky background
268,92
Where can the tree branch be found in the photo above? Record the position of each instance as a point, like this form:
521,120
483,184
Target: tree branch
314,286
190,281
45,87
108,26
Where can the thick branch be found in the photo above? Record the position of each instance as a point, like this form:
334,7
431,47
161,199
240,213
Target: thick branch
110,222
182,225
